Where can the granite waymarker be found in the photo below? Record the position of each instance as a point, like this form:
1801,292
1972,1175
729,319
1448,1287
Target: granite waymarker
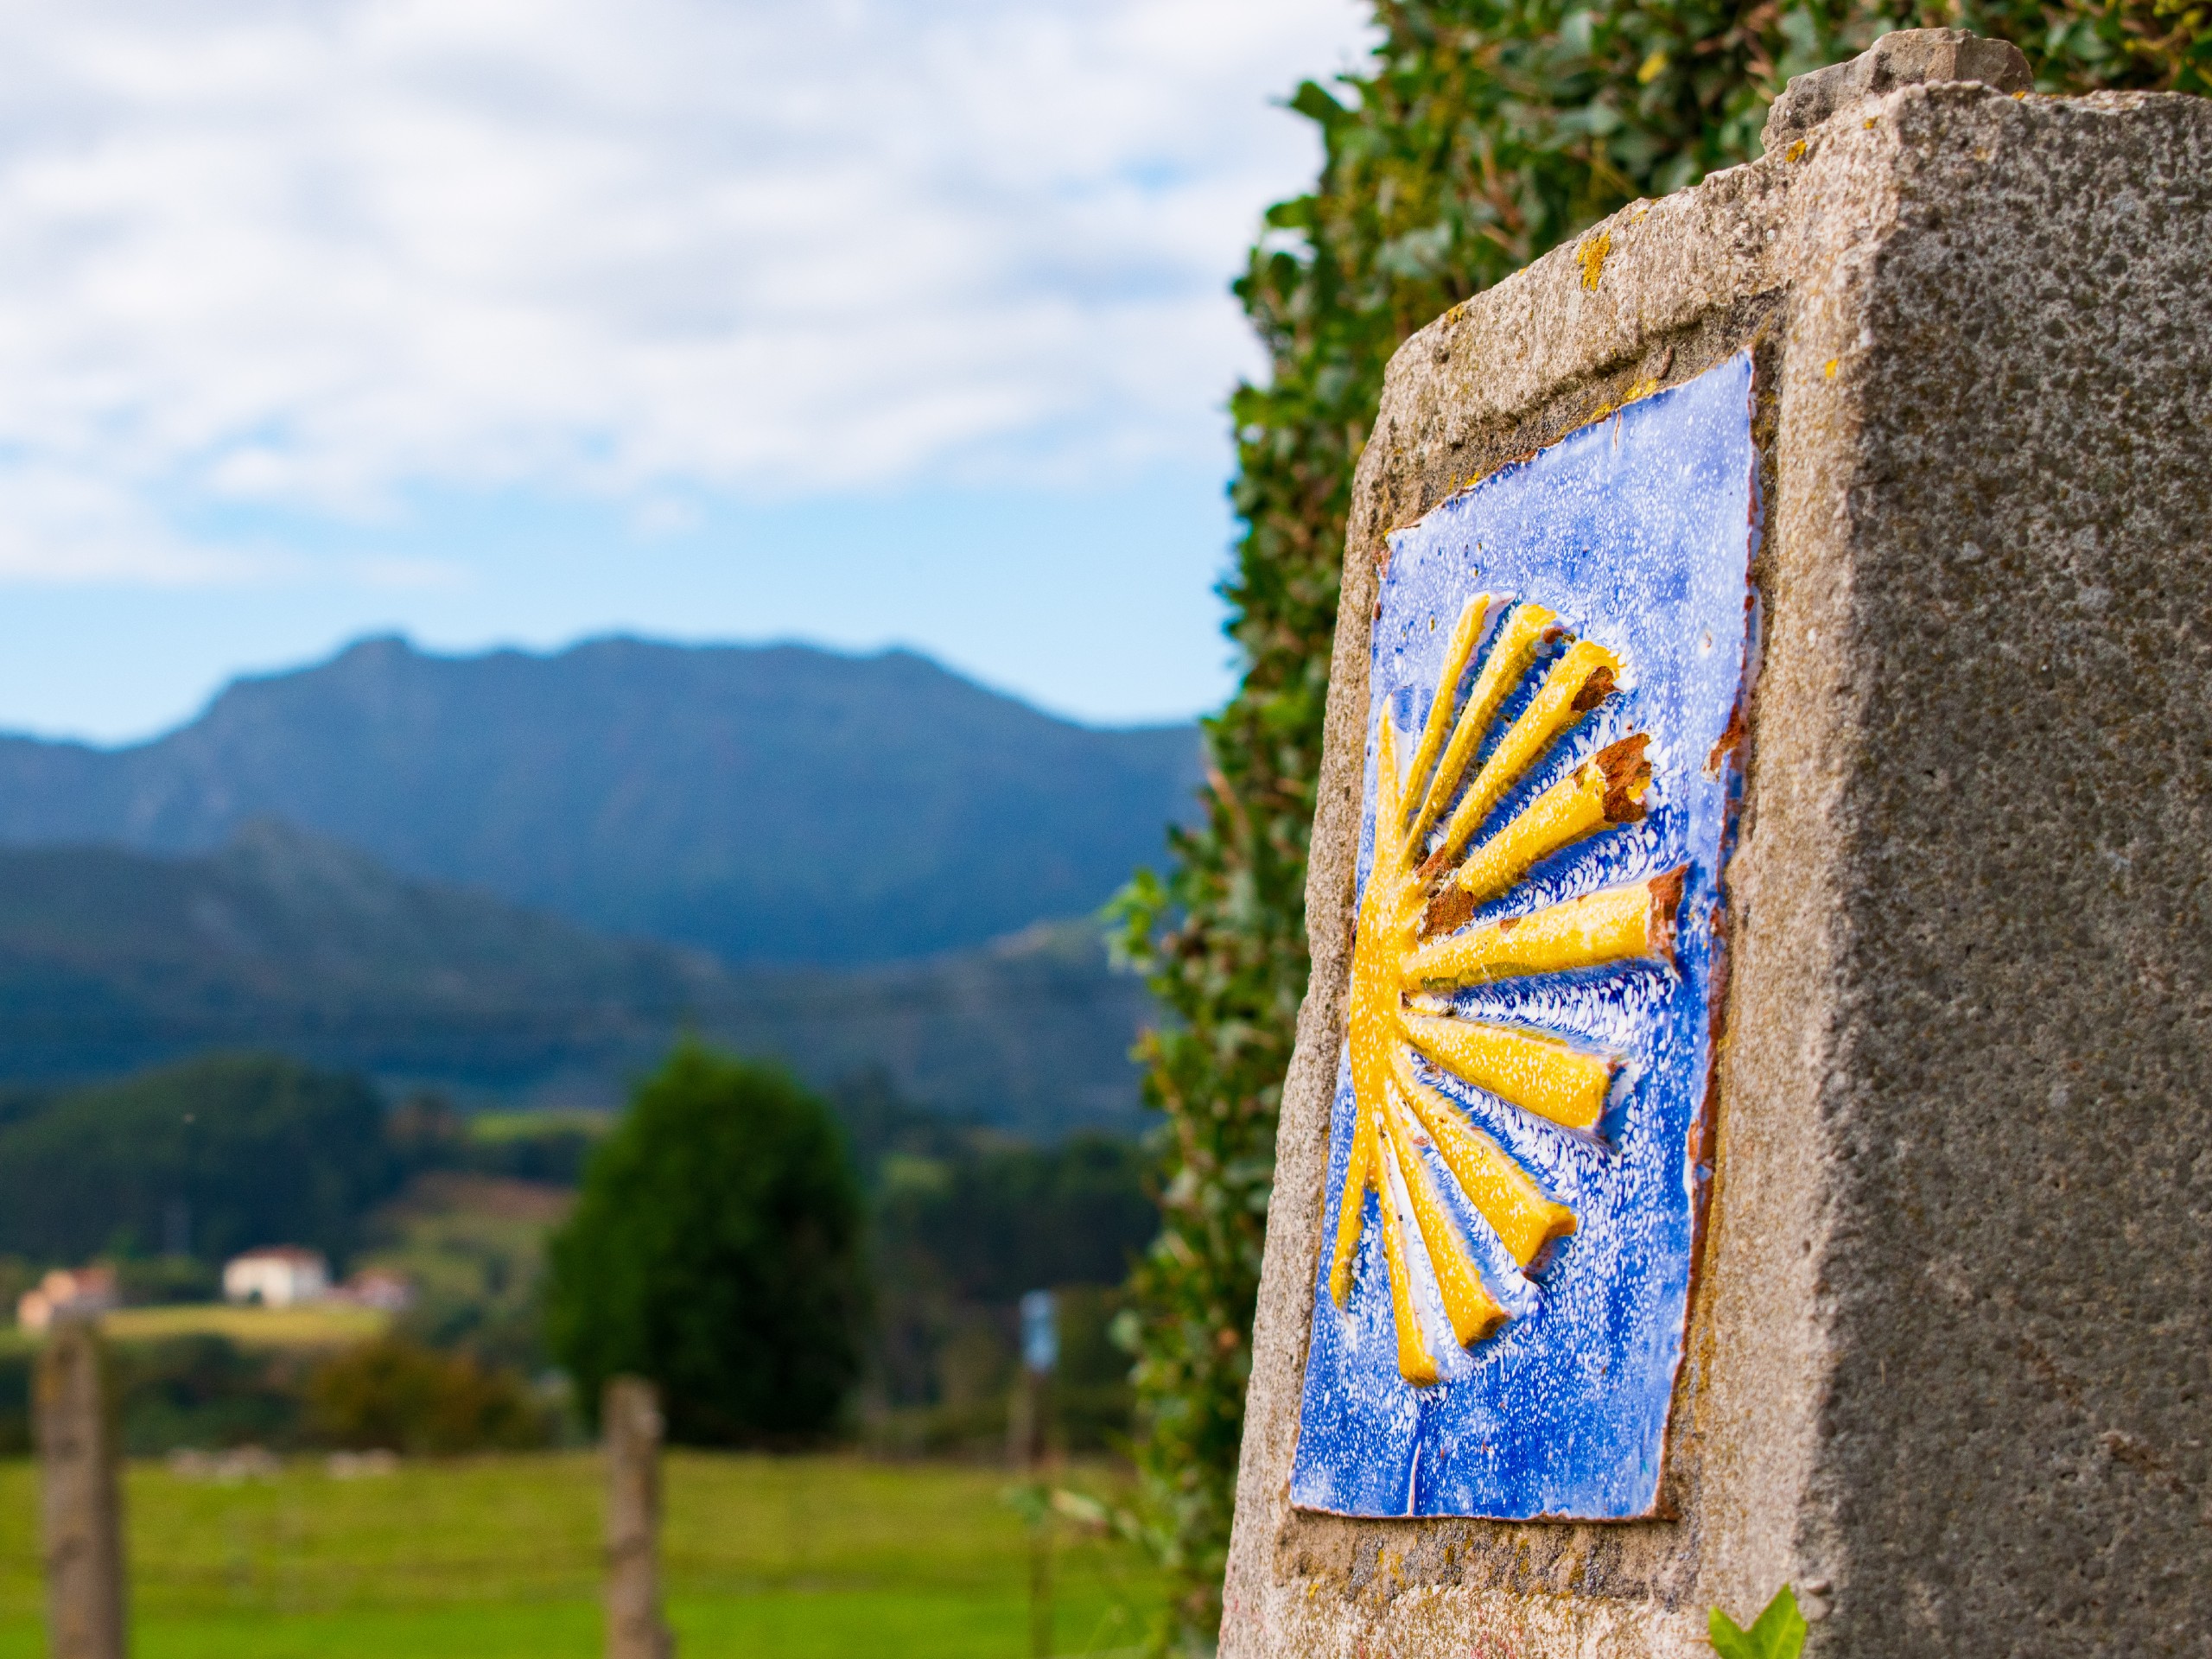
1750,1116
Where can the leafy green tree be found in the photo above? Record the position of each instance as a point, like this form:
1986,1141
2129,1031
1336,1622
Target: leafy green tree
1480,134
716,1249
230,1151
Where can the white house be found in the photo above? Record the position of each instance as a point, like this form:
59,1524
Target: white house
65,1290
277,1275
378,1287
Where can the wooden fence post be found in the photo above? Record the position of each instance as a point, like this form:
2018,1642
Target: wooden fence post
630,1420
80,1508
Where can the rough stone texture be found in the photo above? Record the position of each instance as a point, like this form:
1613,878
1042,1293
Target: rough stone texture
1904,58
1947,1366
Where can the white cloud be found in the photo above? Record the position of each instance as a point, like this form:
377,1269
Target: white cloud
313,256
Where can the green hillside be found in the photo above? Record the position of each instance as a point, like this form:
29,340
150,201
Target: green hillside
111,961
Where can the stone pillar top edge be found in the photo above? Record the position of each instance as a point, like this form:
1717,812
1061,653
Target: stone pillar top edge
1609,304
1905,57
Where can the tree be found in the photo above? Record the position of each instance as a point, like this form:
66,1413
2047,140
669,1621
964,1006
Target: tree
716,1249
1480,134
219,1154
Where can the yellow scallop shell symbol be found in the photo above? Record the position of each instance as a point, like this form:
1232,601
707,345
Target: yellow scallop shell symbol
1415,946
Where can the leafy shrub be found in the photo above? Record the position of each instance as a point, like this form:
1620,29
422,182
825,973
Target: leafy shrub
1480,134
15,1401
206,1391
716,1249
400,1397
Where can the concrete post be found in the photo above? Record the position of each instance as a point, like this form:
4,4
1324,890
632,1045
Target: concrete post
630,1420
1927,1212
80,1507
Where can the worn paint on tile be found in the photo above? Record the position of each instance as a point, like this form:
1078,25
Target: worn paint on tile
1513,1185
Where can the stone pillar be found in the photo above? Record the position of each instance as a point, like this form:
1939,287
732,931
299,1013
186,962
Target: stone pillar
1936,1351
630,1422
80,1507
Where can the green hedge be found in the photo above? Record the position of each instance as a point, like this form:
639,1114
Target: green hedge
1476,137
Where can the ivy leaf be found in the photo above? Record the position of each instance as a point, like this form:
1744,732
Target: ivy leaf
1312,101
1778,1633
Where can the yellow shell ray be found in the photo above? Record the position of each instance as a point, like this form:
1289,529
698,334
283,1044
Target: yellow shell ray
1524,629
1499,1189
1399,1117
1604,790
1578,682
1612,925
1351,1213
1475,620
1473,1312
1416,1364
1527,1069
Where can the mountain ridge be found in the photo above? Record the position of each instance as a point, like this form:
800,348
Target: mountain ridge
767,803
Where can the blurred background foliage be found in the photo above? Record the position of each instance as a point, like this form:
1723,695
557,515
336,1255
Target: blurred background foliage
959,1217
219,1153
1477,136
393,1394
962,1222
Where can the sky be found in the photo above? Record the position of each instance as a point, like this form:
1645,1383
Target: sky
498,323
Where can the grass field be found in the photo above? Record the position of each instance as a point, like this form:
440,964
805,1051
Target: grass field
498,1558
317,1325
535,1122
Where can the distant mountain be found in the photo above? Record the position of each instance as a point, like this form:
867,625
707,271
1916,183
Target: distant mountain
769,805
1031,1032
110,961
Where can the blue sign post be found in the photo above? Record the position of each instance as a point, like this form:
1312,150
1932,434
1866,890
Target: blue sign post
1040,1332
1040,1356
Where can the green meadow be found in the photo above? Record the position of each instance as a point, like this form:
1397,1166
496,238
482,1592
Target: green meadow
498,1558
316,1325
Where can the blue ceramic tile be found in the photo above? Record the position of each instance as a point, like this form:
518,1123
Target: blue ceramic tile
1637,532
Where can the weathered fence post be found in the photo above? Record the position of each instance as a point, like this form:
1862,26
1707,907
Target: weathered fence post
80,1508
631,1422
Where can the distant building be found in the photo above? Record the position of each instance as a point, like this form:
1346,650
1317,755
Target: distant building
279,1275
381,1289
66,1290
